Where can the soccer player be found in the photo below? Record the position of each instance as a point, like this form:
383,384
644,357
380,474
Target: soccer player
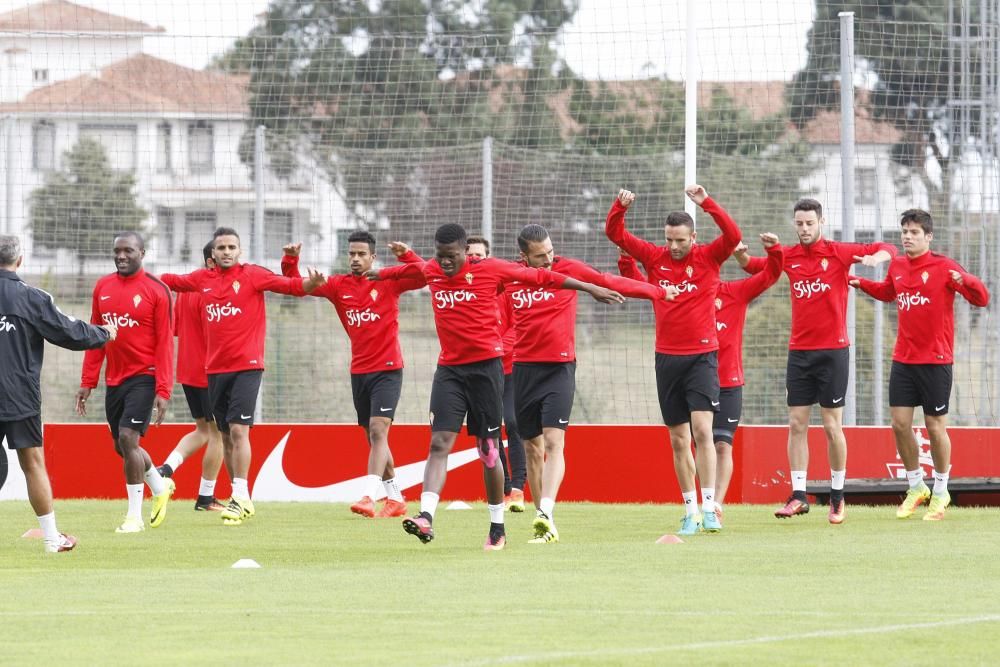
515,471
545,364
731,302
233,296
469,375
818,348
190,327
28,318
923,285
687,380
139,373
370,315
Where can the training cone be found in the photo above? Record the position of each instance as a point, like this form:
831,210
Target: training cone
670,539
245,564
459,505
33,534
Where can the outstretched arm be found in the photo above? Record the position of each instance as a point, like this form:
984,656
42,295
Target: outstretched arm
614,228
969,286
758,283
883,291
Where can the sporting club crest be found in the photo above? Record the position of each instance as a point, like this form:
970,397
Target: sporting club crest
236,286
468,278
924,276
136,300
374,294
718,304
824,263
689,271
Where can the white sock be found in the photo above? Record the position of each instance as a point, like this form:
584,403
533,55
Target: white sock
240,489
941,482
690,502
372,484
799,480
174,460
496,513
392,489
547,506
429,502
707,499
837,478
154,480
915,477
207,487
48,524
134,494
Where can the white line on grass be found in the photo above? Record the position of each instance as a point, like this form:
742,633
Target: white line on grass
698,646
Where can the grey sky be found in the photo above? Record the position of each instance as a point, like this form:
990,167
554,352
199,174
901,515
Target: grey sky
610,39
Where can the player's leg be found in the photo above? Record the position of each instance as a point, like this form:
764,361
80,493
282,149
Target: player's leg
528,408
534,451
935,381
25,437
193,440
556,386
673,408
801,390
517,469
361,391
243,389
701,392
906,445
483,385
724,425
386,388
211,463
833,377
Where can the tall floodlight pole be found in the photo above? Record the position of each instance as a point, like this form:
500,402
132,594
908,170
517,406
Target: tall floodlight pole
847,188
691,104
488,189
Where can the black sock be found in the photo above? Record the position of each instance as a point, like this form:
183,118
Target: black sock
836,496
427,515
205,500
496,529
799,495
165,471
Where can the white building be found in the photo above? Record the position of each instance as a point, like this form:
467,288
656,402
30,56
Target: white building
68,71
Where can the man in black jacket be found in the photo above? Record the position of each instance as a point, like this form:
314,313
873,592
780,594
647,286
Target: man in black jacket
28,317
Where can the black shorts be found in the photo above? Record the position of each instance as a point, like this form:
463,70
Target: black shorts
543,396
376,394
817,376
686,383
926,385
198,402
22,433
234,397
727,419
475,389
130,404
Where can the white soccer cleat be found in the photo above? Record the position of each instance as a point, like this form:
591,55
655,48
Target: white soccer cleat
131,525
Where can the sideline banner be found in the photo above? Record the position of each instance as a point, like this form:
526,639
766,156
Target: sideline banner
327,462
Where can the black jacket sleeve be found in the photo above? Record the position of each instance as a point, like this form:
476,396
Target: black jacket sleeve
60,329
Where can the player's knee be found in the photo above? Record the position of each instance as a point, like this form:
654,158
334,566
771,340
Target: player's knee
489,452
901,427
723,449
31,460
936,427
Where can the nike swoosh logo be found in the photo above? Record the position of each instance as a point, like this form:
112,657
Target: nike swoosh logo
563,421
663,268
385,409
136,422
495,428
838,400
105,298
242,416
795,266
206,289
348,296
273,484
941,407
715,403
731,421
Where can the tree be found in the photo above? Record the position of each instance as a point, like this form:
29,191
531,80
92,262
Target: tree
81,207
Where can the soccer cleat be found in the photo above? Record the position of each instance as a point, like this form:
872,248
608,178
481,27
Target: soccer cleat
914,498
237,511
792,507
935,510
718,512
419,526
710,522
391,509
515,501
690,525
165,471
545,530
495,541
64,543
208,504
364,507
159,511
131,525
838,511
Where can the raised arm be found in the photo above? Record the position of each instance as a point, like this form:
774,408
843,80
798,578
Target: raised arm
413,272
290,260
628,267
758,283
404,253
721,248
969,286
614,228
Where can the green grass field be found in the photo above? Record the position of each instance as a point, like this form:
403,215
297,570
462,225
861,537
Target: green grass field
338,589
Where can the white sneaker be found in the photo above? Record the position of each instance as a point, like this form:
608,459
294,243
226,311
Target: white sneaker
131,525
64,543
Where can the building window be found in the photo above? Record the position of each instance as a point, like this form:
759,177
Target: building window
43,154
165,231
40,75
201,146
119,143
198,229
279,230
865,183
164,162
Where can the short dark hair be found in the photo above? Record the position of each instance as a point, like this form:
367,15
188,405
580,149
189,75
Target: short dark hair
531,234
361,236
139,241
478,239
225,231
920,217
206,252
451,232
808,204
680,219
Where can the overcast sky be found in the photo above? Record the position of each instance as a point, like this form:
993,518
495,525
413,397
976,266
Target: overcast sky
610,39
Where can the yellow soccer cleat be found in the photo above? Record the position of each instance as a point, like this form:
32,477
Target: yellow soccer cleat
131,525
159,511
237,511
935,510
915,497
545,530
516,501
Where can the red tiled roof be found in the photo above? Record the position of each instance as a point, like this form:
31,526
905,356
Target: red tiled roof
140,84
63,16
